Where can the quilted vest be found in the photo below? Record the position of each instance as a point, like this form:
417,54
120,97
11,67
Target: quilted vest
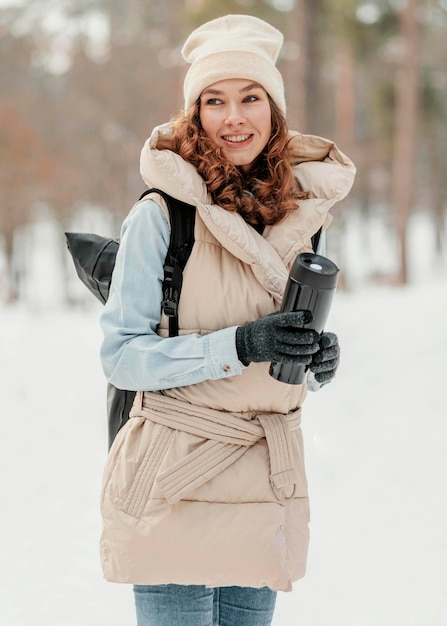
206,483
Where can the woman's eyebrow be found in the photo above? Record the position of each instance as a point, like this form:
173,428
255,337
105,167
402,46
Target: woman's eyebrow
252,86
214,92
217,92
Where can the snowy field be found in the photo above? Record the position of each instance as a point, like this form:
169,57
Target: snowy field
376,459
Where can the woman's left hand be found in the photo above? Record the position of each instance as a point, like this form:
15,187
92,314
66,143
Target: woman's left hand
325,361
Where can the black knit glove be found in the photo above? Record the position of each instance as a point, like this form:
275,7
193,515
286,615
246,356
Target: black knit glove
325,362
278,337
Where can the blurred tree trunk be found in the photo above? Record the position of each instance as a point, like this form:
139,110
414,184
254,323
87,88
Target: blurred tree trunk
345,96
301,74
343,64
436,181
406,111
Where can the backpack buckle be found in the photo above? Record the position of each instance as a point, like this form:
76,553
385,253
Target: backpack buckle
170,301
172,285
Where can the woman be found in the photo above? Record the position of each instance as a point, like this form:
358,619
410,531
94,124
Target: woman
204,502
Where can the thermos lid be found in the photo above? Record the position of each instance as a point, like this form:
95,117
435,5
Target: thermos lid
315,271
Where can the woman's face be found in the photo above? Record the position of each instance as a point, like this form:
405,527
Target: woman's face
236,115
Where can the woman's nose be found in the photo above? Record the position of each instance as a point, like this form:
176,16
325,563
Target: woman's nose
234,115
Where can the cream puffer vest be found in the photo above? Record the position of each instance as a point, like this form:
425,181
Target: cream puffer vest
206,483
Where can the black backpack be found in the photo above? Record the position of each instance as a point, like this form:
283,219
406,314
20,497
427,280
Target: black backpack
94,259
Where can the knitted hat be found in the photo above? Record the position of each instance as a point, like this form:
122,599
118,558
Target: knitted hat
234,46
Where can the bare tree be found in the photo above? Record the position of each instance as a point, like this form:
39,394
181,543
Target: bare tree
300,70
406,114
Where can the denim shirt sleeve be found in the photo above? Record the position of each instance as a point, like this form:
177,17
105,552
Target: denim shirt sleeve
133,356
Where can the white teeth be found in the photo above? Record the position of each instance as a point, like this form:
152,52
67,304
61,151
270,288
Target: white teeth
236,138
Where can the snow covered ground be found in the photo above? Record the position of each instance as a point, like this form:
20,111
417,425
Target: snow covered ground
376,460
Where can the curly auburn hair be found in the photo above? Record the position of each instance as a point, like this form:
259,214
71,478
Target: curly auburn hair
265,194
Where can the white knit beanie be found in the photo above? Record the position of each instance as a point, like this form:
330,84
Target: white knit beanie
234,46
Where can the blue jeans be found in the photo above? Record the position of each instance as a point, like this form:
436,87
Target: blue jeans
196,605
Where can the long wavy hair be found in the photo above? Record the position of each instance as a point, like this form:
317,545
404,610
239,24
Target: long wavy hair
264,195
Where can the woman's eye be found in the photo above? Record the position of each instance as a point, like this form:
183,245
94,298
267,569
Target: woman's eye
214,101
251,99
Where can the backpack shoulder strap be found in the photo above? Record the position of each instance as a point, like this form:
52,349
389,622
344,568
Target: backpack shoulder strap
182,219
315,239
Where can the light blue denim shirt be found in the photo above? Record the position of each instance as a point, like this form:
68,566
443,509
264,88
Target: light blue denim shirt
133,356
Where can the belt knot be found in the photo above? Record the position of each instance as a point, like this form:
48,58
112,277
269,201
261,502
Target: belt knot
227,437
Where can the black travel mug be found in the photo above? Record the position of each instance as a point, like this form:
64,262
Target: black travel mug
311,286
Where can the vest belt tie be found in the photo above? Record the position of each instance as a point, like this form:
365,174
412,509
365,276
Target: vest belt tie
228,436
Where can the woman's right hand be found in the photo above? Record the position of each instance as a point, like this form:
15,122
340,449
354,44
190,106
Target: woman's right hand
278,337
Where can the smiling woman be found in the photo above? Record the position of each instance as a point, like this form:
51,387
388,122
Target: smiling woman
204,503
236,136
236,114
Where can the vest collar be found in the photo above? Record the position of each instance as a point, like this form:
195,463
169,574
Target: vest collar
320,168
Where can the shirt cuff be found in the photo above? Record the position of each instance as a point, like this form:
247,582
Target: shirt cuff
220,352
